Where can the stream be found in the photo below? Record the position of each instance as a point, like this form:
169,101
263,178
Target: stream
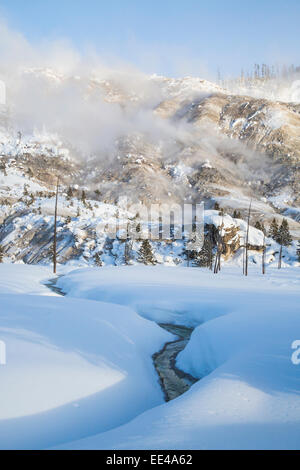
51,284
173,381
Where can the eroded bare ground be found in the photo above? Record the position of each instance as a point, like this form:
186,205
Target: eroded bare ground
174,381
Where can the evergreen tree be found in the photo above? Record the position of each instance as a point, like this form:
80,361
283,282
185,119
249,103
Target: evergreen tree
204,258
1,254
134,230
127,252
257,225
284,236
69,193
260,226
97,259
3,167
274,230
83,196
237,214
146,253
217,206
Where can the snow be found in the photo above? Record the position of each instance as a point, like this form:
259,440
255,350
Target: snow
248,396
21,278
186,87
237,200
275,89
177,295
79,372
39,142
225,222
206,164
13,183
74,367
276,119
180,171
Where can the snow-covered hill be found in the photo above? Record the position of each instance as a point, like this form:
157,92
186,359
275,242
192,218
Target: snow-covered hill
151,139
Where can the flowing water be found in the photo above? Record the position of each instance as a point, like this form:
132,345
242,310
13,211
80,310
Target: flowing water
173,381
51,284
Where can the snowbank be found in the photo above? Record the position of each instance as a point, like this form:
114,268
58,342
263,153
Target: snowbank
251,402
78,370
248,397
257,330
74,368
255,236
188,296
22,278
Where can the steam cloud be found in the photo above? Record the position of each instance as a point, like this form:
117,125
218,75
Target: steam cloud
52,86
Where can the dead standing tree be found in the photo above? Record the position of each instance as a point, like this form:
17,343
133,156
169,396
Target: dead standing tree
220,247
211,255
247,240
243,247
128,247
55,229
263,260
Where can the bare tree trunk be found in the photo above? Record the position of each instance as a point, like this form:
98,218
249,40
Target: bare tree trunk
243,256
219,261
217,267
55,229
210,253
126,247
280,258
247,239
264,256
216,261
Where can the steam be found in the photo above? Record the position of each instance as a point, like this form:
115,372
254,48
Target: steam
90,105
86,103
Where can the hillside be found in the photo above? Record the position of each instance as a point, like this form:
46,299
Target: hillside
151,139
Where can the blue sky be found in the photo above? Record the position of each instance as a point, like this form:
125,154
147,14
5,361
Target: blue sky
171,37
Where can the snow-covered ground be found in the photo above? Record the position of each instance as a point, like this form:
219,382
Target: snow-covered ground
248,396
274,89
188,296
79,372
24,279
74,367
